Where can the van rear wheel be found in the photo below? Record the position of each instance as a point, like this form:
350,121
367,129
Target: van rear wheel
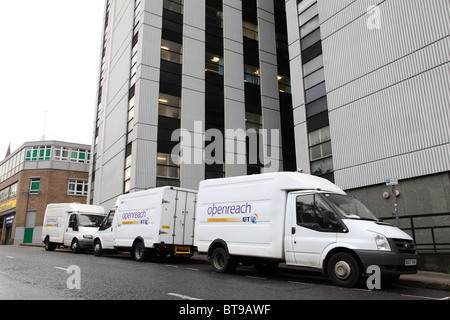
48,245
139,252
221,261
344,270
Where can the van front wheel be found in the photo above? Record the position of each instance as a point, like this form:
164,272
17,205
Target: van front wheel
221,261
344,270
98,249
75,246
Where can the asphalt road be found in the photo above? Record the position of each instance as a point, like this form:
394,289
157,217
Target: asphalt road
33,273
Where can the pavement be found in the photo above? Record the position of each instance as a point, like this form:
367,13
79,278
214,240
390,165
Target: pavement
422,279
426,279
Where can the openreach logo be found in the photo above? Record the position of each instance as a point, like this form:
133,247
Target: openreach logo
207,147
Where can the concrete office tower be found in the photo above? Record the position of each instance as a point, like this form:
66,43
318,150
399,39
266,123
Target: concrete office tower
209,71
370,89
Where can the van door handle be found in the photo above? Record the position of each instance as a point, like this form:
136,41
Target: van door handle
293,230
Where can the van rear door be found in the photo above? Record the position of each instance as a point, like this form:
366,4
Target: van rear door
177,218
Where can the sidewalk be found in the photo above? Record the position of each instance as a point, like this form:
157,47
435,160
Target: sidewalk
427,279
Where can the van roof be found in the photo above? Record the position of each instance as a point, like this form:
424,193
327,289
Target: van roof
78,207
286,181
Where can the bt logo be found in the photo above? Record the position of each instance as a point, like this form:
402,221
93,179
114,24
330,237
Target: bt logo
253,219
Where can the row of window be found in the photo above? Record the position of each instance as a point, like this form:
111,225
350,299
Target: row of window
76,187
131,96
40,153
168,171
8,193
320,151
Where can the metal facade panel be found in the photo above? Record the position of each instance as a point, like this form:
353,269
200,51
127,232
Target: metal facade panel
411,117
387,89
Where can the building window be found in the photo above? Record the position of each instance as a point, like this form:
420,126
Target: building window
171,51
38,153
250,30
284,84
78,187
34,185
320,144
174,5
251,74
169,106
80,155
166,168
213,63
253,121
127,172
321,167
61,153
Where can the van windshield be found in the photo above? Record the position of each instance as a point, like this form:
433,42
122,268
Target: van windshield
89,220
350,207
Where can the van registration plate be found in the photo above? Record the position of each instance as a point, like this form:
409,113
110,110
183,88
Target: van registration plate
410,262
182,249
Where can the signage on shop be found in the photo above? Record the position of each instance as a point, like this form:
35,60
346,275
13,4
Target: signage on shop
8,205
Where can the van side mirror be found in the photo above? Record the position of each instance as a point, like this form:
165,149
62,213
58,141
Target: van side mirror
73,225
328,221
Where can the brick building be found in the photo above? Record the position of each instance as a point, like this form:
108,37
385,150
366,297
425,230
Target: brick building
36,174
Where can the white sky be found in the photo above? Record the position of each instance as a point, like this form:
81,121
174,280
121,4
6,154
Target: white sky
49,62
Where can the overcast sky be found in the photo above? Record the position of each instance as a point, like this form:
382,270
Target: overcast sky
49,60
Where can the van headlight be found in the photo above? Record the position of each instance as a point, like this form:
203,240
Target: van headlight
381,241
88,236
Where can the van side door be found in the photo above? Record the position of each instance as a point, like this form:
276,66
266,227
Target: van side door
71,229
313,229
106,231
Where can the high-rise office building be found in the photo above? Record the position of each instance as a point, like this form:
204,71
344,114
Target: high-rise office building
210,74
353,91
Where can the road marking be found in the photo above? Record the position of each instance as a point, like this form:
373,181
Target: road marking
259,278
194,269
182,296
420,297
10,257
295,282
64,269
171,265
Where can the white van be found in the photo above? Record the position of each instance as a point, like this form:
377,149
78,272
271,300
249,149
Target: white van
71,225
299,219
154,221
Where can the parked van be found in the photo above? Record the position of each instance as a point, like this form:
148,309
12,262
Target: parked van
156,221
71,225
299,219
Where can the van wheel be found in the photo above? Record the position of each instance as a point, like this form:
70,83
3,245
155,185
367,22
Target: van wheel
344,270
139,252
48,245
98,250
75,246
221,261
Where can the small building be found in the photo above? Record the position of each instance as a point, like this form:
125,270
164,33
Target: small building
34,175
